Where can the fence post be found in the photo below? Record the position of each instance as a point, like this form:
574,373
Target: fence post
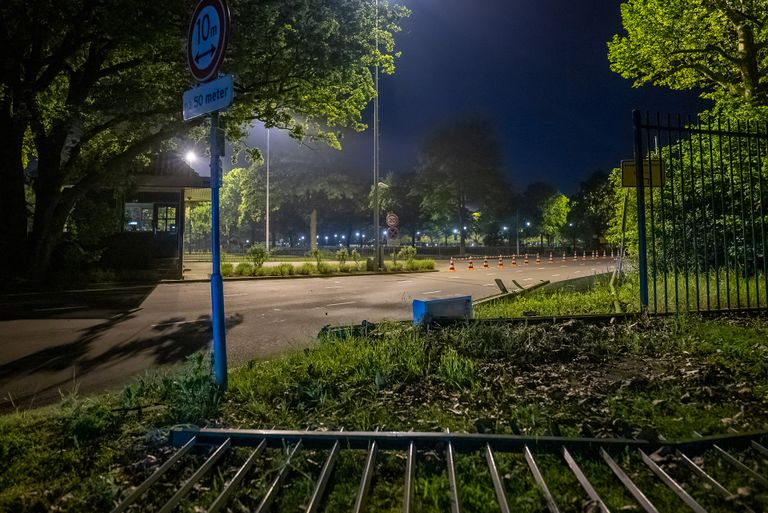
641,243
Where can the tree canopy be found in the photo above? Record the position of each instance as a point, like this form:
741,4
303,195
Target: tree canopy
719,47
90,88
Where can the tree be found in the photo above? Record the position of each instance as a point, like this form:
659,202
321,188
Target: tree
554,215
243,199
532,203
460,166
591,208
88,88
716,46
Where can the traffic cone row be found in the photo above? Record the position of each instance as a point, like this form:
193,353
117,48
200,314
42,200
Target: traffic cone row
471,265
565,259
551,260
514,260
538,258
452,267
485,262
525,262
501,261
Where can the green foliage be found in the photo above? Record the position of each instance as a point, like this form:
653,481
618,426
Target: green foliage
455,370
306,269
554,215
88,420
712,47
341,255
243,269
355,255
420,265
258,255
227,269
317,255
284,269
407,253
324,268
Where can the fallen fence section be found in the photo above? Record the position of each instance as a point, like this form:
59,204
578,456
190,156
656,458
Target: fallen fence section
655,455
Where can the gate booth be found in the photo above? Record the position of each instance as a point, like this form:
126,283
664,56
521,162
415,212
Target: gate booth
153,213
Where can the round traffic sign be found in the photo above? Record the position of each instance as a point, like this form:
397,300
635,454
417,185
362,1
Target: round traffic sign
392,219
393,232
207,39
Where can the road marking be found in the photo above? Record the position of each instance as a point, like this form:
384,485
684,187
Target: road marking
276,310
432,292
411,281
178,323
555,275
58,308
344,303
489,285
527,279
235,295
335,287
576,272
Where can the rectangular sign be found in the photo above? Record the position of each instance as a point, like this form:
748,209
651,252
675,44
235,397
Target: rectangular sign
629,173
208,97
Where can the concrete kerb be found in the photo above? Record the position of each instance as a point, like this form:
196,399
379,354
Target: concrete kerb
303,276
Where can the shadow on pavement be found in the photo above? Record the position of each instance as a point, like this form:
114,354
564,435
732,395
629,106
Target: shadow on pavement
73,304
170,342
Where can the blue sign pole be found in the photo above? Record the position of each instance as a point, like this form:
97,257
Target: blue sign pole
217,285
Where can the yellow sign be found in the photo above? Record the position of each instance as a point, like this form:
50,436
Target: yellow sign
629,173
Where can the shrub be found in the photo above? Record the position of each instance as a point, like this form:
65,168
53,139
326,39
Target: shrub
243,269
284,270
341,256
355,255
317,256
226,269
344,268
420,265
393,267
407,253
258,255
324,268
306,269
102,275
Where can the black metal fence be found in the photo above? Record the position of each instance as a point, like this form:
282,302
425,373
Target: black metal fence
701,212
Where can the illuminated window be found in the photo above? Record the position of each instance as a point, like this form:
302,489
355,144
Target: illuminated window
138,217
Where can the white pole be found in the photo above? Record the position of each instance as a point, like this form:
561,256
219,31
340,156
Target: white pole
267,230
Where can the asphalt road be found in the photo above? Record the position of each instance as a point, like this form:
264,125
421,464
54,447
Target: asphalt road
92,341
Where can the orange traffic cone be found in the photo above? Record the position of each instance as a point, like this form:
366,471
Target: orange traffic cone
501,261
604,254
564,257
538,258
452,267
526,259
551,260
575,256
485,262
514,260
584,255
594,255
471,265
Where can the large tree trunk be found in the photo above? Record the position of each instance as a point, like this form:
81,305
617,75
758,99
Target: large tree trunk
13,205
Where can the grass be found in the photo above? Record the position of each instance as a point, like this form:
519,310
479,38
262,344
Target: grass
666,376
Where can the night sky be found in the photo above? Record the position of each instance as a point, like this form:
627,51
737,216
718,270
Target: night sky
538,70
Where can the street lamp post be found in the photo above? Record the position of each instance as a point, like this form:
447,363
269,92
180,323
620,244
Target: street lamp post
267,216
377,244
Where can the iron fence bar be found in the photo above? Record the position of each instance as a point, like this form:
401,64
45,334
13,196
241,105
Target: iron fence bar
761,179
189,483
752,214
365,480
584,481
714,214
664,215
675,215
739,465
230,487
681,146
498,486
455,504
760,448
157,474
726,258
410,469
551,504
672,484
652,216
628,483
689,463
641,250
743,215
695,254
702,131
704,217
322,482
736,273
274,487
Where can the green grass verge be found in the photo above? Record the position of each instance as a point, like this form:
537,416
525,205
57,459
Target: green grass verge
669,377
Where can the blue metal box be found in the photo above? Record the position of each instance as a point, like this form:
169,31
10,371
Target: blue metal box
450,309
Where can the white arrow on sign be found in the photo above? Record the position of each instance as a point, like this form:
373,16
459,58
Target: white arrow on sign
207,39
209,97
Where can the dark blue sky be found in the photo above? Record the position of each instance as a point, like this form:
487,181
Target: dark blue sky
539,70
